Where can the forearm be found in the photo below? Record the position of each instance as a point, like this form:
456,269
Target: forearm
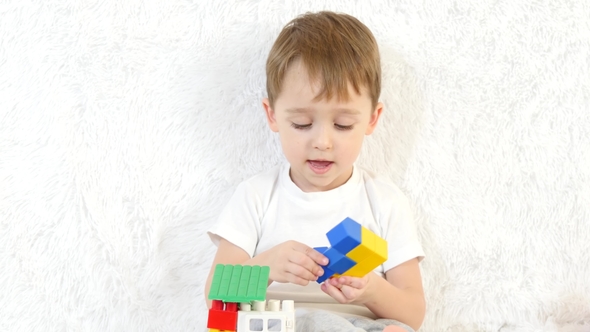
289,261
387,301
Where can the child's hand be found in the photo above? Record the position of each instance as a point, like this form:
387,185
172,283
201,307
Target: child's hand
347,289
293,262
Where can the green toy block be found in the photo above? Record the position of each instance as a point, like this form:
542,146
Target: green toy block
239,283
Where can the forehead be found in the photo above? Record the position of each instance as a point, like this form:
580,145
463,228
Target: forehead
299,84
306,110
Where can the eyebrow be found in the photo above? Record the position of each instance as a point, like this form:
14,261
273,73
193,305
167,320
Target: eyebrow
297,110
306,110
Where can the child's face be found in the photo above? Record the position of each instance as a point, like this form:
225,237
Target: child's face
320,139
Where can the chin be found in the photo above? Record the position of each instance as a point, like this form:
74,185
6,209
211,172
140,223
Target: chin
326,184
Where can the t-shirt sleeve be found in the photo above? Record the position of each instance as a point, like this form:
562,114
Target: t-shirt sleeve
399,230
239,221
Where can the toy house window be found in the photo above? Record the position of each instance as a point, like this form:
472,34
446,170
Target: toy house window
256,324
274,325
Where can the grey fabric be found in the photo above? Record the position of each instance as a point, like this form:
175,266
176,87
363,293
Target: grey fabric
326,321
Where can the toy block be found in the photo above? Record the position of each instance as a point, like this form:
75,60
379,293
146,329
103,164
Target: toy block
243,282
215,283
217,305
273,317
381,249
345,236
231,306
327,272
376,256
366,248
337,261
220,282
362,249
234,280
222,320
321,250
361,269
239,283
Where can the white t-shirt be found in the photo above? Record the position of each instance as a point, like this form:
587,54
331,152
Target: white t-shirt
269,209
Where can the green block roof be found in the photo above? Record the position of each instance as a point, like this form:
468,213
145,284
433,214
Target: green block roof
239,283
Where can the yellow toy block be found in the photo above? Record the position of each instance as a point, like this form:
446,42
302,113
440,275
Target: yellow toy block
381,248
360,269
366,248
371,253
374,260
364,267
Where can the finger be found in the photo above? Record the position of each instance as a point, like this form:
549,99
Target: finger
306,262
294,279
349,293
358,283
335,282
311,253
300,271
334,292
316,256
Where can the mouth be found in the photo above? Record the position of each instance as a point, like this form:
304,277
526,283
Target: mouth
320,166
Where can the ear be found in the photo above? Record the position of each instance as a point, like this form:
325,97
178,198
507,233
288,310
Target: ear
270,115
375,116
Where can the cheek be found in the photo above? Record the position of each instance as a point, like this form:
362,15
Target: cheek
292,144
353,144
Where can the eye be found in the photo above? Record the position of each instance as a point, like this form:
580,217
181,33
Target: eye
341,127
300,126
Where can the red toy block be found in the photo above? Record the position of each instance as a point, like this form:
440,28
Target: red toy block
231,306
222,320
217,305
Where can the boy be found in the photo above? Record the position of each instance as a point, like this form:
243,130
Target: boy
323,84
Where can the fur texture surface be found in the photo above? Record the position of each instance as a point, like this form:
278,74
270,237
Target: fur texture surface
126,125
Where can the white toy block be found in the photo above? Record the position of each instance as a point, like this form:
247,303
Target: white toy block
259,305
273,305
252,316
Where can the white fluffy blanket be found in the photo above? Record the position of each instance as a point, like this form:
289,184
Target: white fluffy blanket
126,125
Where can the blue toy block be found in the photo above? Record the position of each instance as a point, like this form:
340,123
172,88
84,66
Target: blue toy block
327,274
345,236
321,250
338,262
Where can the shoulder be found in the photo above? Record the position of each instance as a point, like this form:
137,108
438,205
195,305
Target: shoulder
387,201
380,188
262,183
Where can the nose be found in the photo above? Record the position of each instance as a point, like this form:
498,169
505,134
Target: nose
322,139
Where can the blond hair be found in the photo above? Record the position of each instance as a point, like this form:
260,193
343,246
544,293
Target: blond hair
336,49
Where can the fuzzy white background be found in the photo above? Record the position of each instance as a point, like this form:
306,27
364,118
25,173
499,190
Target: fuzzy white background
126,125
